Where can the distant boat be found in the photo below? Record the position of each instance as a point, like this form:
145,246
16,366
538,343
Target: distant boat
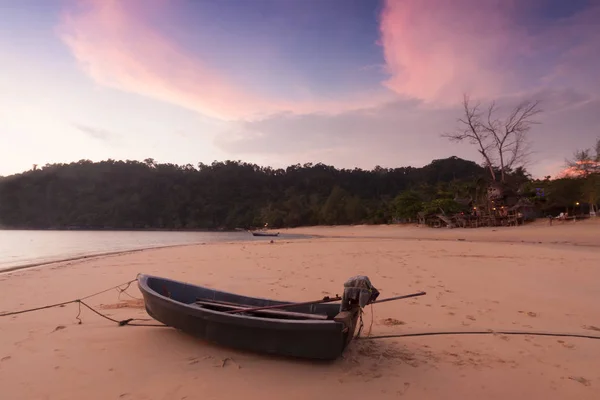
314,331
258,233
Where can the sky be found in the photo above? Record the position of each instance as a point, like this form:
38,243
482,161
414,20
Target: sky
350,83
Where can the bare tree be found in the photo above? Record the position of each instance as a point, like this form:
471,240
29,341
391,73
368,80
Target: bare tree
502,142
586,165
473,132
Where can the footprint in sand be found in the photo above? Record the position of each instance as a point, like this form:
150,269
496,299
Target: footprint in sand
580,379
404,389
134,303
566,345
591,328
529,313
392,322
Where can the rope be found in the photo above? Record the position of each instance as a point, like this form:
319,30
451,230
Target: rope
117,287
371,325
6,314
488,332
439,333
360,327
80,302
121,323
129,321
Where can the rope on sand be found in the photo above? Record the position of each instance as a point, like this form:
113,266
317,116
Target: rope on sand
487,332
122,288
119,288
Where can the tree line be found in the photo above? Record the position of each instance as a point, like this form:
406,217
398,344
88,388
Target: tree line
232,194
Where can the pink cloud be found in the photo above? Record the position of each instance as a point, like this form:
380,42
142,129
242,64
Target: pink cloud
116,45
435,50
573,172
120,51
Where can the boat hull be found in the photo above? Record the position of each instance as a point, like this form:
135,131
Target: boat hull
172,303
264,234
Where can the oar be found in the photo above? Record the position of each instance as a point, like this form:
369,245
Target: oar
323,300
406,296
278,313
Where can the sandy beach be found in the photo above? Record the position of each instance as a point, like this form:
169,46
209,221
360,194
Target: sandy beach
537,278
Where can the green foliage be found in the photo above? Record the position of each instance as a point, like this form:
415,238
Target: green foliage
586,165
407,205
564,192
592,187
141,195
449,206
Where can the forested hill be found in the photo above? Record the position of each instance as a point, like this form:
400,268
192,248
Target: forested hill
142,195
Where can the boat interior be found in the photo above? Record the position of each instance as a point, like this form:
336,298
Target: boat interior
216,300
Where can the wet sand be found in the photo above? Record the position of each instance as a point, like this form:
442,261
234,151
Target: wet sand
536,277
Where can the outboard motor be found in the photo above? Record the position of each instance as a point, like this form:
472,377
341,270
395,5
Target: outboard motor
358,291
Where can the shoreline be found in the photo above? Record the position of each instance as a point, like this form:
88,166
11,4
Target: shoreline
8,228
313,232
92,256
96,256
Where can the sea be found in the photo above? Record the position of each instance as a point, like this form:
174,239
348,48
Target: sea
23,248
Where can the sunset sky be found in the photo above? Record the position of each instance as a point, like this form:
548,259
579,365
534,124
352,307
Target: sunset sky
278,82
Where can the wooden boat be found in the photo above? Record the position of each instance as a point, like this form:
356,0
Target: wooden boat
258,233
316,331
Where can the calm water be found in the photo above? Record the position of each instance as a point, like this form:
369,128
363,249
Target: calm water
20,248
